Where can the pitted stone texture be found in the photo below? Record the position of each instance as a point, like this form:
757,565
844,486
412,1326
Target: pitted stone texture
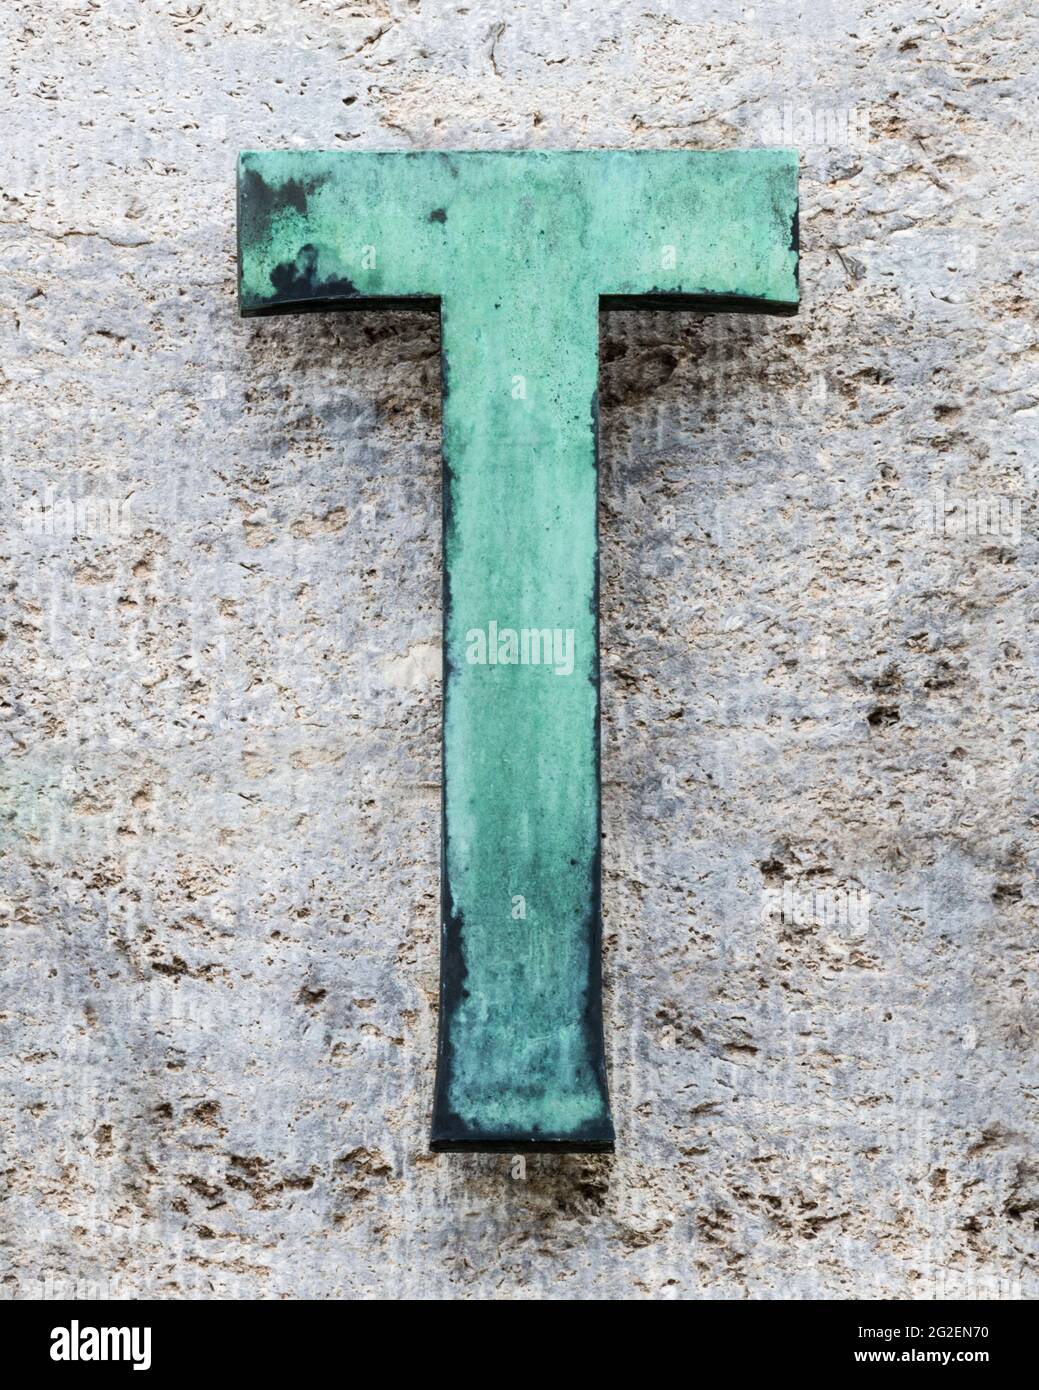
221,724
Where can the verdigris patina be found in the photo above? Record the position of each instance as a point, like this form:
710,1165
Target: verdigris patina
519,251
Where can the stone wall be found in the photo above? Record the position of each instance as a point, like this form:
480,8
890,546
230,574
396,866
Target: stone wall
221,592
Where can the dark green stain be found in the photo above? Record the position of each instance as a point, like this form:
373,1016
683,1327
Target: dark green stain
519,251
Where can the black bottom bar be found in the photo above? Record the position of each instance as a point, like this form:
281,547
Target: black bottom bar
237,1341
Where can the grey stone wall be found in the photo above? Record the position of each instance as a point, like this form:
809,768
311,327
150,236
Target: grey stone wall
221,673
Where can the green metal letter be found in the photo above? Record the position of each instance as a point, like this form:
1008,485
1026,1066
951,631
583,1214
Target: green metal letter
519,251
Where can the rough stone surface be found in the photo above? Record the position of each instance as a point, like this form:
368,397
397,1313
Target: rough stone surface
221,719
